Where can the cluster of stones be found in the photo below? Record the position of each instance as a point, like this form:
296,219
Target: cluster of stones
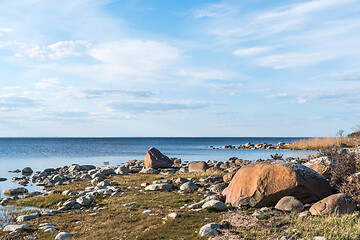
269,184
249,145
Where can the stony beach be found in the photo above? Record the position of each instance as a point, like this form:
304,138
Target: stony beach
234,199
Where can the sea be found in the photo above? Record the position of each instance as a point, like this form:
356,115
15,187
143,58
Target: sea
41,153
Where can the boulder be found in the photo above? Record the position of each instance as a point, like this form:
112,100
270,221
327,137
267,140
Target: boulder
159,186
335,204
209,229
15,191
322,165
155,159
2,179
27,171
263,184
289,203
122,170
218,205
27,217
149,171
13,228
198,166
188,186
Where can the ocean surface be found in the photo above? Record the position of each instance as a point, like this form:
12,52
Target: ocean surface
41,153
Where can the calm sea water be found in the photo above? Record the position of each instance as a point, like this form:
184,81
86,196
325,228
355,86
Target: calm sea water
41,153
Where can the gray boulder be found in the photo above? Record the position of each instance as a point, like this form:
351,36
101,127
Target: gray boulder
218,205
289,203
122,170
188,186
209,229
159,186
27,171
27,217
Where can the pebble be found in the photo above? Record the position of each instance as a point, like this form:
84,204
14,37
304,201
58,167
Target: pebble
173,215
129,204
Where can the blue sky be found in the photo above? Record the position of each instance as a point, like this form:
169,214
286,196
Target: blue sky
179,68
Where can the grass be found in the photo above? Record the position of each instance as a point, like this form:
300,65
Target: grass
324,143
332,227
118,222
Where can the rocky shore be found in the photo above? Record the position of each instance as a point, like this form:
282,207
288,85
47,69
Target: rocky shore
253,191
252,146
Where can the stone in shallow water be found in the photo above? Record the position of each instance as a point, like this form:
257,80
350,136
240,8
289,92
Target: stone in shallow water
15,191
2,179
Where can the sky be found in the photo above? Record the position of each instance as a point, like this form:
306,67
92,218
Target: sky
143,68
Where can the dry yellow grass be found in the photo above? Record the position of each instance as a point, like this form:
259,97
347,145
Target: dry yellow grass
323,143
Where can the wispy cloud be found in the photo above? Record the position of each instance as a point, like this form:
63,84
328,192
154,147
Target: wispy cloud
231,89
56,50
159,105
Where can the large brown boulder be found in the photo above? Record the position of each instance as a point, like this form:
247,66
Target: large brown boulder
263,184
335,204
322,165
198,166
155,159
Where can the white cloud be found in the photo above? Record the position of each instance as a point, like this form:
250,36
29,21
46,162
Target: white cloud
5,30
231,89
58,50
305,8
205,74
159,105
133,57
251,51
46,84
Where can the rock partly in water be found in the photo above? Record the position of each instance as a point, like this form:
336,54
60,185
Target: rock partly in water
264,183
289,203
155,159
3,179
15,191
198,166
335,204
27,171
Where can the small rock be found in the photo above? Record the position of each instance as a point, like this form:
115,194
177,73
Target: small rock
129,204
148,212
320,238
63,235
304,214
149,171
2,179
262,211
173,215
52,230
